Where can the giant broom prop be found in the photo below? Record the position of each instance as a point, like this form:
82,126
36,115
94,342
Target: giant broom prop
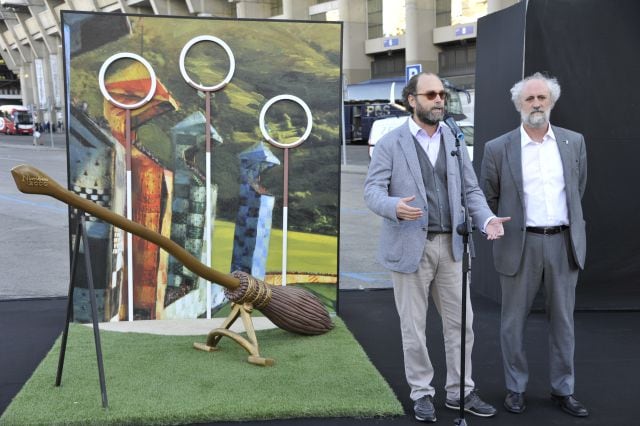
290,308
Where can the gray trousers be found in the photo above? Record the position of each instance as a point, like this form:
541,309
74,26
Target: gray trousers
441,275
546,261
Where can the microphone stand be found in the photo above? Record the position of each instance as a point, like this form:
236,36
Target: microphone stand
464,229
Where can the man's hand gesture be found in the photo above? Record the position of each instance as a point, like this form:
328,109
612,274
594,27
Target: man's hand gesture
405,212
494,228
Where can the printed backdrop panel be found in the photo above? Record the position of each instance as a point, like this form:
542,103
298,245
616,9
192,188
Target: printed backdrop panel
230,70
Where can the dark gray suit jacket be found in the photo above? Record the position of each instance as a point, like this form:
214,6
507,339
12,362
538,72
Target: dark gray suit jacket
501,180
394,173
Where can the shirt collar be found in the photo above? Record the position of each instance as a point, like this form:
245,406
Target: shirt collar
414,128
525,139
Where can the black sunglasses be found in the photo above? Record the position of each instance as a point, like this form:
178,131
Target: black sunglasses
431,95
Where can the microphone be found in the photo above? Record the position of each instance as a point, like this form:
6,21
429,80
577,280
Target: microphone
451,123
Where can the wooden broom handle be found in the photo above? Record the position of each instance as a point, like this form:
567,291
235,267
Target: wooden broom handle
32,181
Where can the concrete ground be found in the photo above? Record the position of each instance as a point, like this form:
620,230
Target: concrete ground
34,249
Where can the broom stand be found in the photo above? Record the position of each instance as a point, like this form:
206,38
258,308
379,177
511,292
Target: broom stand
82,237
249,344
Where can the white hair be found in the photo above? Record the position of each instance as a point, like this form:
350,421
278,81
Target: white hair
552,84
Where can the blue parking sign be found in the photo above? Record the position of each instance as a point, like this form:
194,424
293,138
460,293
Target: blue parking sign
412,70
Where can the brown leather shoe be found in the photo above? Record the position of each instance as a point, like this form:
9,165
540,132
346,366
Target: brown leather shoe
514,402
570,405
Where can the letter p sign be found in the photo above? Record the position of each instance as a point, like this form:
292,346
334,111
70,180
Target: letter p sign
412,70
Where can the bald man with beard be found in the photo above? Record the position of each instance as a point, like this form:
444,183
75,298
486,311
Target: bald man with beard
414,185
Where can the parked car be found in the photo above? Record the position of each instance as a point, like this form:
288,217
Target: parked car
467,129
382,126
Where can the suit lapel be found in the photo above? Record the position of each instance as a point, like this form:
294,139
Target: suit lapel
450,146
514,157
408,147
454,189
566,157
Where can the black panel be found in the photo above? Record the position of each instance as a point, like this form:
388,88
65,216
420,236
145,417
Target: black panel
500,47
591,49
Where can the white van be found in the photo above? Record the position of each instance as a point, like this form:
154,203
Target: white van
380,127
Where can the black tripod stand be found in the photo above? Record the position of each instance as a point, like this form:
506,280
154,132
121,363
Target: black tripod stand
464,229
81,235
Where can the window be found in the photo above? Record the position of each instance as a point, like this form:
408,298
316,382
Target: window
374,18
466,11
385,18
443,13
389,64
457,60
276,7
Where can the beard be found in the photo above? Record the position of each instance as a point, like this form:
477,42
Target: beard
536,119
431,116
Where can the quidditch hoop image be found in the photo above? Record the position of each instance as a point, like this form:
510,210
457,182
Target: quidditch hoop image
219,42
263,113
207,92
127,55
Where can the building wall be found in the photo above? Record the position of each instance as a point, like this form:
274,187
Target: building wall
356,65
421,20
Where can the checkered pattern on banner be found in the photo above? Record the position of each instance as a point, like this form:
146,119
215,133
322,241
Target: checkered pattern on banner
101,197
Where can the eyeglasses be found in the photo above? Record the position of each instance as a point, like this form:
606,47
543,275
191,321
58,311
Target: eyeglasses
431,95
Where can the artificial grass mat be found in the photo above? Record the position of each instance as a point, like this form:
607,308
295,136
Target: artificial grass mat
154,379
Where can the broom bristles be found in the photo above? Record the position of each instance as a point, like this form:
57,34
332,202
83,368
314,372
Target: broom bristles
298,311
290,308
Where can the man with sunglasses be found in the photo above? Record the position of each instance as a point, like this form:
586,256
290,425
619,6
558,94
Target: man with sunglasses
414,184
537,174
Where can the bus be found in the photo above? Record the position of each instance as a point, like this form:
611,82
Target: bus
16,120
360,116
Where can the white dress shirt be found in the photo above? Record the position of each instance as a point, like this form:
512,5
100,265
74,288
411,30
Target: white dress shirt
430,144
545,197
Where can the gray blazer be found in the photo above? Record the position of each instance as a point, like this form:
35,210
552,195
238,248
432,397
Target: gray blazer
501,178
394,173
